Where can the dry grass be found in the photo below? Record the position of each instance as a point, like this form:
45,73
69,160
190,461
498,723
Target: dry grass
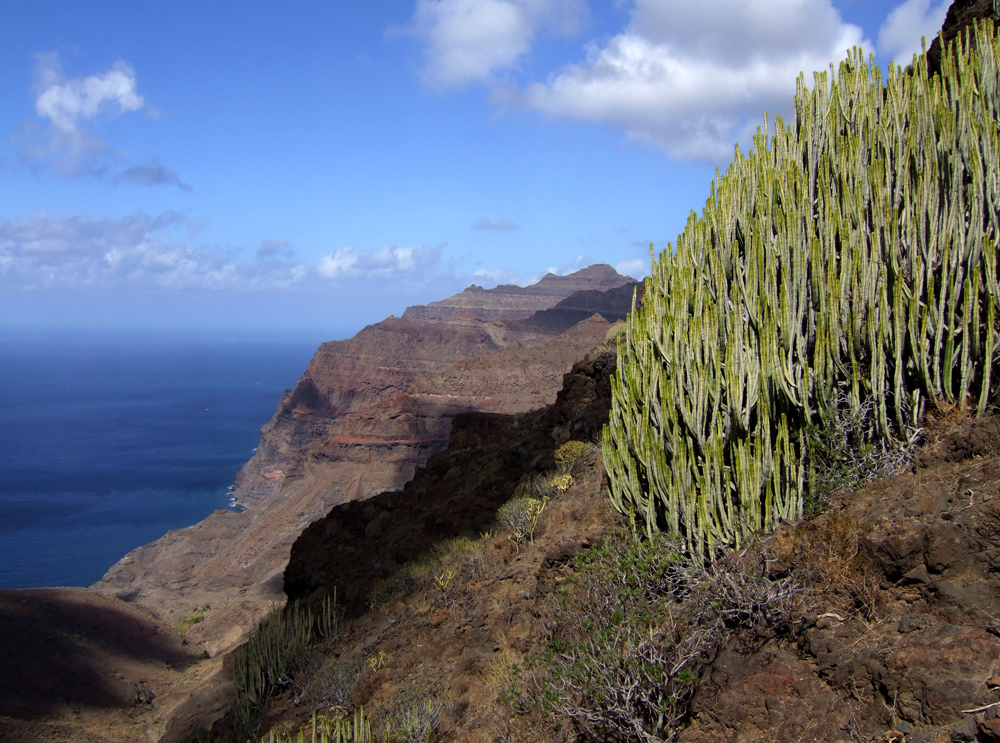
829,558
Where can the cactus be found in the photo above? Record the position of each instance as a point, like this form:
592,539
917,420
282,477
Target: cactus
266,663
356,728
848,256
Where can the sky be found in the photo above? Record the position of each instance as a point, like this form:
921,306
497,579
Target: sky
312,167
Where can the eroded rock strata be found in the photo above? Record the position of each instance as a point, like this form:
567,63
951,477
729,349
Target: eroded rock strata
365,414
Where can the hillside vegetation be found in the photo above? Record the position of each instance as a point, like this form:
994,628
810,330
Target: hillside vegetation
848,260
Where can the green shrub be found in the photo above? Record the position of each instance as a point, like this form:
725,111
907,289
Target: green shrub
482,476
853,253
195,617
398,534
520,516
379,593
374,528
332,528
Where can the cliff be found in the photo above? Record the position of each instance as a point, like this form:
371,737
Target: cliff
365,414
508,302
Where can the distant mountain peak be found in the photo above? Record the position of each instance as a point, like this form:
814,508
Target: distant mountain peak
511,302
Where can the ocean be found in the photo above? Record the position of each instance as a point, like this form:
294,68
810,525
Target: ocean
107,442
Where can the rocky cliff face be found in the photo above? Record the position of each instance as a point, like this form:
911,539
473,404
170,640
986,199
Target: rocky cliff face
364,415
457,492
508,302
385,398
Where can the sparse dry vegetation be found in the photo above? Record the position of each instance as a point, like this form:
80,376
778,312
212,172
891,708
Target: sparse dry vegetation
636,625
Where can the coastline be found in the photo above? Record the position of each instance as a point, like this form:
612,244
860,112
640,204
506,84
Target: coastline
112,440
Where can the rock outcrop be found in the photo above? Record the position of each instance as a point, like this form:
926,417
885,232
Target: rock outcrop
961,15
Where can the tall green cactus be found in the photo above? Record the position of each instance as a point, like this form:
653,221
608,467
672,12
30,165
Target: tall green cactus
852,252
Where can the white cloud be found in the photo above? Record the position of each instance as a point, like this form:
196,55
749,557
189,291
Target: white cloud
338,265
504,224
134,251
67,102
468,41
636,268
67,106
692,78
65,139
387,262
901,32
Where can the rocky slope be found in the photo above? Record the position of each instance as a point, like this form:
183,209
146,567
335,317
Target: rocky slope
366,412
892,635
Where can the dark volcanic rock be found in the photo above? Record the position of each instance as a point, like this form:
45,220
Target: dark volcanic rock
961,15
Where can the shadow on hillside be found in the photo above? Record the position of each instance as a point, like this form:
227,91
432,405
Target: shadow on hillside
68,648
457,493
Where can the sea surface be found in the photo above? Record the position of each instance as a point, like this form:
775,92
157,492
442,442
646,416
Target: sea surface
107,442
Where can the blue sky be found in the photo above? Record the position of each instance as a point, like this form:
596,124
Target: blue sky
313,167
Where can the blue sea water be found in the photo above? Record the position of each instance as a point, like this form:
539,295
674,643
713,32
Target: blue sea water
107,442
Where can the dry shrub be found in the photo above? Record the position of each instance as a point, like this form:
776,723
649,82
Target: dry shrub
637,624
520,517
829,557
846,452
412,716
332,685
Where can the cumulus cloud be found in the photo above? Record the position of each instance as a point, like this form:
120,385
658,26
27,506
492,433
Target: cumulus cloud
503,225
68,102
387,262
64,138
153,173
469,41
48,251
901,32
693,78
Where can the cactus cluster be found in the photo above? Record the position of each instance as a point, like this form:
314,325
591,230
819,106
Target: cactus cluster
270,658
356,728
848,256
